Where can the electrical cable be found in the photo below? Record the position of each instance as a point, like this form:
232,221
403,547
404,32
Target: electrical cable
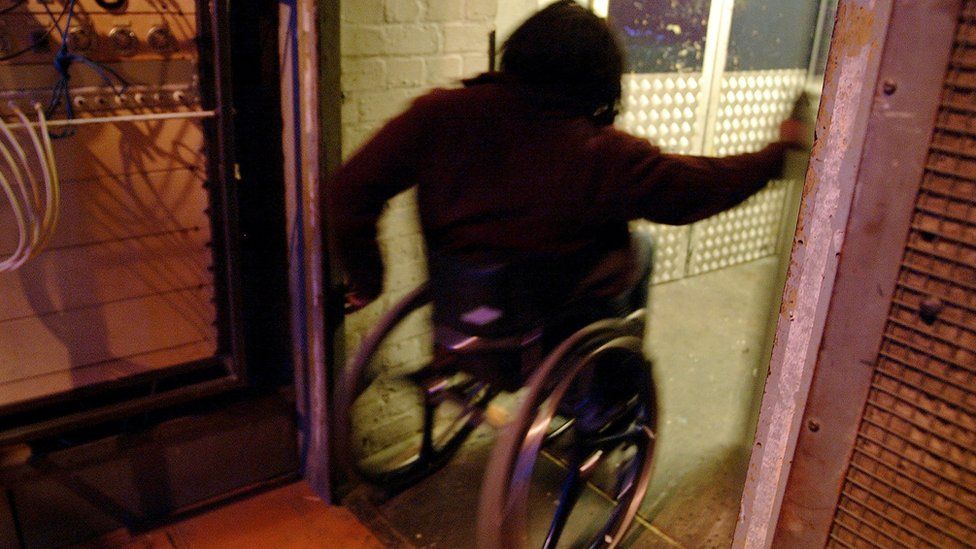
37,219
45,166
29,229
29,48
35,227
63,60
29,193
50,222
15,260
32,197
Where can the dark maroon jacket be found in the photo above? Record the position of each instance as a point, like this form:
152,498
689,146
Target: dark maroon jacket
503,171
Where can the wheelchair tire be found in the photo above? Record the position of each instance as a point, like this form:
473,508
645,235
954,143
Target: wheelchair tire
418,455
504,507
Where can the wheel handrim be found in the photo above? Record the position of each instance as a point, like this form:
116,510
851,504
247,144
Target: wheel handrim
512,499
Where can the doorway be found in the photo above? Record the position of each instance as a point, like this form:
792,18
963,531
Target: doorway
706,77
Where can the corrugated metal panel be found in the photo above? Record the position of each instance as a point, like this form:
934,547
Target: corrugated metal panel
912,476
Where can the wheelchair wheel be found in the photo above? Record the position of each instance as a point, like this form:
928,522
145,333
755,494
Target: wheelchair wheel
396,423
564,438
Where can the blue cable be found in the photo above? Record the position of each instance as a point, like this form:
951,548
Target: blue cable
63,60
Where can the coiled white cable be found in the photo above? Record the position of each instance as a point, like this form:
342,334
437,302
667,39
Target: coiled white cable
23,244
36,222
52,211
31,199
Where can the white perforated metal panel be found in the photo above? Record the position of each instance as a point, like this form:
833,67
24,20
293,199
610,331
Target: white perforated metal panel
746,233
669,109
665,108
751,107
670,249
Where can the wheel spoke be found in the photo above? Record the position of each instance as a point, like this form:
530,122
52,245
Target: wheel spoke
600,540
427,443
558,431
442,431
465,421
621,502
634,435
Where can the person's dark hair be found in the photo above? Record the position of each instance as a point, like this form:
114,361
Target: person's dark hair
567,50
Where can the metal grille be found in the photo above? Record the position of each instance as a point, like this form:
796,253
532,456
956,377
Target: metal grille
912,476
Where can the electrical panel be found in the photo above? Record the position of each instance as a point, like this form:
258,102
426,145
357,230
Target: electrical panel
152,44
132,280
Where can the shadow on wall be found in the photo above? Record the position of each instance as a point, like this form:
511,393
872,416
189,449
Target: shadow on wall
131,255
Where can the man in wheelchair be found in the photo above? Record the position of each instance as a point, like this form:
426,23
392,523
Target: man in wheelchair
525,192
525,163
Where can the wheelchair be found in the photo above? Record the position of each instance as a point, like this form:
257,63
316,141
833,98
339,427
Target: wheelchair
586,404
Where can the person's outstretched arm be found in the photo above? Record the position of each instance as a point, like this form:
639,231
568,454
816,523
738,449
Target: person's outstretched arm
678,189
357,193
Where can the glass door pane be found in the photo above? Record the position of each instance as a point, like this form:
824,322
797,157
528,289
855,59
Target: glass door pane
665,95
715,78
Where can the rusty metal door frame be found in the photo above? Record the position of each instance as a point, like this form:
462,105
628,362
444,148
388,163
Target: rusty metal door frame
881,92
852,71
898,137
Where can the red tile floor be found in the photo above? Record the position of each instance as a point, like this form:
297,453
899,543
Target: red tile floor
290,517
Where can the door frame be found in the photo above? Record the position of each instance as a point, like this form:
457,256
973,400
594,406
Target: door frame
852,70
904,106
303,23
849,92
880,96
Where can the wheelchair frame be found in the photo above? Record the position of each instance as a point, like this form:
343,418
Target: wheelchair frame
504,500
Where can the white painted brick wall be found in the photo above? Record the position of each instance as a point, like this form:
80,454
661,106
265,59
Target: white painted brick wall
480,10
392,52
402,11
411,39
445,10
466,37
406,72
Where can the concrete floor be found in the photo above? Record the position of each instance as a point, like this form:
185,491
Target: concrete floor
708,365
708,339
